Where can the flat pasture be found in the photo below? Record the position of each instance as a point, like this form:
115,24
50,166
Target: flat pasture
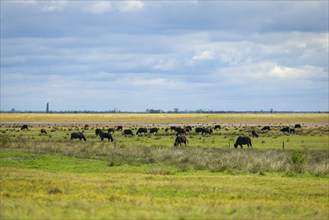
35,194
49,176
149,119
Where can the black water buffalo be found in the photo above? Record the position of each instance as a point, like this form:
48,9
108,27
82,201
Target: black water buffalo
266,128
25,127
285,129
78,135
188,128
180,131
141,131
110,130
154,130
119,128
97,131
203,131
254,134
241,141
103,135
217,127
128,132
198,130
206,131
180,140
298,126
43,131
288,130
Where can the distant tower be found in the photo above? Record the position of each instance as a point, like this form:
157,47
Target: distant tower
47,107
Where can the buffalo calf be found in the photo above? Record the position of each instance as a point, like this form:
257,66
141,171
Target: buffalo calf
103,135
25,127
43,131
254,133
180,140
266,128
128,132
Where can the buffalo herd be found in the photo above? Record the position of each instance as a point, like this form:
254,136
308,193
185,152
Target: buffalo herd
181,132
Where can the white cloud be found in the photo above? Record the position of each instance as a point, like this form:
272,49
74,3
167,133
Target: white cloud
53,5
32,2
203,55
102,7
297,73
165,64
99,7
127,6
161,83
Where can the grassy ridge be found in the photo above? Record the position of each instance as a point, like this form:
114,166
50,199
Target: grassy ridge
164,160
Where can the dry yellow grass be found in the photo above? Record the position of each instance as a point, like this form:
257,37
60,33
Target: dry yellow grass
307,119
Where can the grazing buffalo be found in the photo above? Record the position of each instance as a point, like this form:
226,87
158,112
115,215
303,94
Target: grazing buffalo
180,140
241,141
288,130
198,130
217,127
180,131
43,131
78,135
206,131
110,130
266,128
188,128
203,131
298,126
25,127
154,130
141,131
103,135
254,133
97,131
128,132
119,128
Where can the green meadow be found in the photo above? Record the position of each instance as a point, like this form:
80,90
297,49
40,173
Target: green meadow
49,176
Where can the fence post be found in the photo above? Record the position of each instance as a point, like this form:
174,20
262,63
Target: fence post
283,146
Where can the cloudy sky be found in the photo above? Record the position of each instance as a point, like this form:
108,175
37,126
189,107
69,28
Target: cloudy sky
138,55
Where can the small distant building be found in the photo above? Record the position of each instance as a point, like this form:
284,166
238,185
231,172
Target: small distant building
154,110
